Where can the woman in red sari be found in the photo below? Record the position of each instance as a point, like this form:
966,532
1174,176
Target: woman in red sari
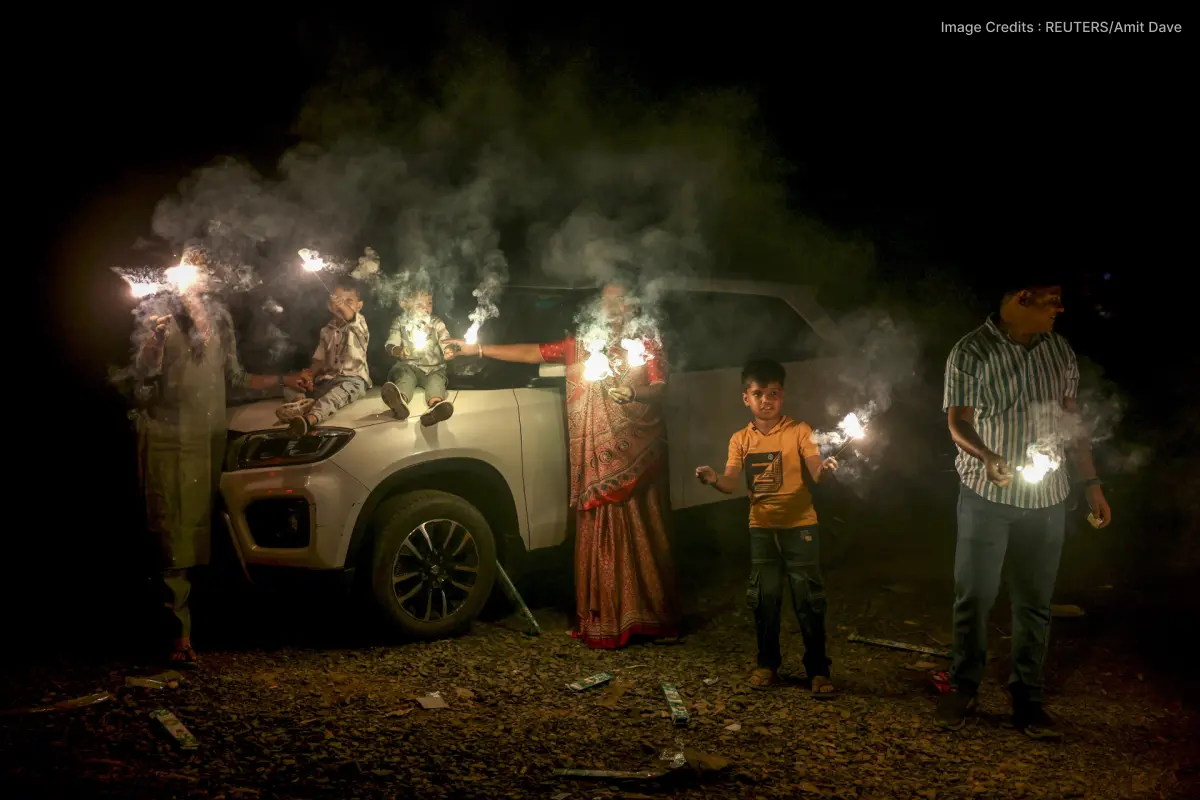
625,582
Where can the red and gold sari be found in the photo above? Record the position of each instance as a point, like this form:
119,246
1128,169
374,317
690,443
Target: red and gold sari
625,581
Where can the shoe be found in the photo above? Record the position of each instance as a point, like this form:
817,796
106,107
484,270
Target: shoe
289,411
394,400
953,709
1032,720
439,413
298,427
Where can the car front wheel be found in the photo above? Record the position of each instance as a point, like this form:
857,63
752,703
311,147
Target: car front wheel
434,563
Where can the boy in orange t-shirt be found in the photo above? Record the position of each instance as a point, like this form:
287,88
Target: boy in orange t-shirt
770,453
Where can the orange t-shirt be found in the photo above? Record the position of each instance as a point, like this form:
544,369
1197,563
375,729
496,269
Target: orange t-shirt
772,464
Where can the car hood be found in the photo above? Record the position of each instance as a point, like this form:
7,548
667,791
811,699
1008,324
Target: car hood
371,410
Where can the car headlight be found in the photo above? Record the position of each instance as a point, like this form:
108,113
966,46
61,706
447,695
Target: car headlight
278,449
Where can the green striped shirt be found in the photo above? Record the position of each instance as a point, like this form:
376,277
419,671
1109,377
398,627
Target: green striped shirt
1017,393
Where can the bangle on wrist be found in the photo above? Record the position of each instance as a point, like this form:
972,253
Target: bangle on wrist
1093,482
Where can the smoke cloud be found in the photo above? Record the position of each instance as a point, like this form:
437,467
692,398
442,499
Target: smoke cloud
547,172
881,360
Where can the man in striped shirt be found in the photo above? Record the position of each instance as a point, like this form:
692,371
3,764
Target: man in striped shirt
1010,402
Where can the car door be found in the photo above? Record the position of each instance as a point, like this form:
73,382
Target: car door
709,337
543,316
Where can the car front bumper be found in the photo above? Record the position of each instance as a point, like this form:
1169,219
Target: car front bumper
275,518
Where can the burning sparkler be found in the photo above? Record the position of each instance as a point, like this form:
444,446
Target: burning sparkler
420,338
142,283
596,368
852,428
312,262
635,352
1041,464
182,276
472,335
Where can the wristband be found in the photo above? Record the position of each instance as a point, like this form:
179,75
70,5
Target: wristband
1093,482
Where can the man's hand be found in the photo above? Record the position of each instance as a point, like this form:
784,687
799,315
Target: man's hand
830,464
621,394
706,475
297,382
998,471
1099,506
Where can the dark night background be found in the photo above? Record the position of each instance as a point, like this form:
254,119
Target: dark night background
956,157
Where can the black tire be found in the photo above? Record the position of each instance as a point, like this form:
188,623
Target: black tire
438,582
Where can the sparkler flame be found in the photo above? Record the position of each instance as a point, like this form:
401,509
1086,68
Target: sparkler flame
635,352
183,276
472,335
596,368
1041,464
420,338
140,289
852,427
311,261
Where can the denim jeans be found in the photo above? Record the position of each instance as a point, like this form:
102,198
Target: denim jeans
797,556
1033,540
408,377
330,395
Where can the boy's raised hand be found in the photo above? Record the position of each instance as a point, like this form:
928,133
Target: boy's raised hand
830,464
706,475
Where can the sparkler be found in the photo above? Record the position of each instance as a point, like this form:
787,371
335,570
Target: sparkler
853,428
142,283
596,368
1041,464
183,276
635,352
312,262
472,335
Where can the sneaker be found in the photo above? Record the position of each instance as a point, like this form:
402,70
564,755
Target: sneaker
298,427
439,413
953,709
394,400
1032,720
289,411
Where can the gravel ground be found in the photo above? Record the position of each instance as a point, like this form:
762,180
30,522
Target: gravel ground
290,721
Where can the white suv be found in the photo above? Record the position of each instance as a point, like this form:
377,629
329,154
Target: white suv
425,512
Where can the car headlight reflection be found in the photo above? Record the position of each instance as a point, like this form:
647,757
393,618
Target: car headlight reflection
278,449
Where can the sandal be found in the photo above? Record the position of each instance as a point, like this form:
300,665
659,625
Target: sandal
764,678
822,688
184,656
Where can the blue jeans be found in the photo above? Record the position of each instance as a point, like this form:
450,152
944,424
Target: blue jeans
331,394
797,556
1033,540
408,377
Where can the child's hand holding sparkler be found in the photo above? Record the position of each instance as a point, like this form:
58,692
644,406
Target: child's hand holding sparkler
830,464
449,349
400,351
